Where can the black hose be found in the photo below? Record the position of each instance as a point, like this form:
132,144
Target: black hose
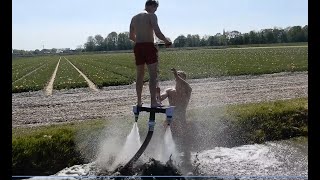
126,168
138,154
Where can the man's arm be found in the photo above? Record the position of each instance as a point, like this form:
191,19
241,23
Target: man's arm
180,81
164,95
132,34
156,28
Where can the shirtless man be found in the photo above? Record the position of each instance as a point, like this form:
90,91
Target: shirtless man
179,97
143,26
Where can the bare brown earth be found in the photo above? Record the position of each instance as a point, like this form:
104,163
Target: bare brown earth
36,108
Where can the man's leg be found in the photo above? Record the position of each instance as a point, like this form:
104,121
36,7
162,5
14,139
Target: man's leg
139,82
153,81
157,86
158,94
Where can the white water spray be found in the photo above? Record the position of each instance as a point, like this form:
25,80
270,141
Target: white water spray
131,146
169,148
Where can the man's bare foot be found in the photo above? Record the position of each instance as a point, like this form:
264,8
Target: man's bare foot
158,94
156,105
158,89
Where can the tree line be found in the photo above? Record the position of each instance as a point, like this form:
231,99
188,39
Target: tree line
121,41
114,41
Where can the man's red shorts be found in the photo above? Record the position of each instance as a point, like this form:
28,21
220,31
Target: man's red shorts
145,52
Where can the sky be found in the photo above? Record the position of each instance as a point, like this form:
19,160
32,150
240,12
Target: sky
38,24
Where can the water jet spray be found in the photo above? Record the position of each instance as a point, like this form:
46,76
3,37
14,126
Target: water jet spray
168,110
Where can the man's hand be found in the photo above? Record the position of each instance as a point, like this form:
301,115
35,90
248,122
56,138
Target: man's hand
174,71
168,44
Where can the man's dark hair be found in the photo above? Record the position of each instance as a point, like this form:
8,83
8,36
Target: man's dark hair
152,3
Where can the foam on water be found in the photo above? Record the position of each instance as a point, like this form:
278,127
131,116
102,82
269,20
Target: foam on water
268,159
278,158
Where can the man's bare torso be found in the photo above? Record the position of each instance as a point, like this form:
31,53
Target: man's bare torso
179,98
142,26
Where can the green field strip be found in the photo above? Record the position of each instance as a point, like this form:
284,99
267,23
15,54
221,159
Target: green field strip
195,63
122,64
68,77
37,80
108,62
271,60
24,66
91,85
34,70
212,62
119,68
126,61
99,76
121,59
115,68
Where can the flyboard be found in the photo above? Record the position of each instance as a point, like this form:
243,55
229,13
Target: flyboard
168,110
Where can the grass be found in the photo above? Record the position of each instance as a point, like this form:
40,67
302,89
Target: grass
260,122
111,69
47,149
30,154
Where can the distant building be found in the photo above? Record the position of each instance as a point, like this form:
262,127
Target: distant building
59,51
45,51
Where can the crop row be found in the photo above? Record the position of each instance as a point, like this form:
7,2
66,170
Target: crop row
38,79
98,75
119,68
68,77
24,66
